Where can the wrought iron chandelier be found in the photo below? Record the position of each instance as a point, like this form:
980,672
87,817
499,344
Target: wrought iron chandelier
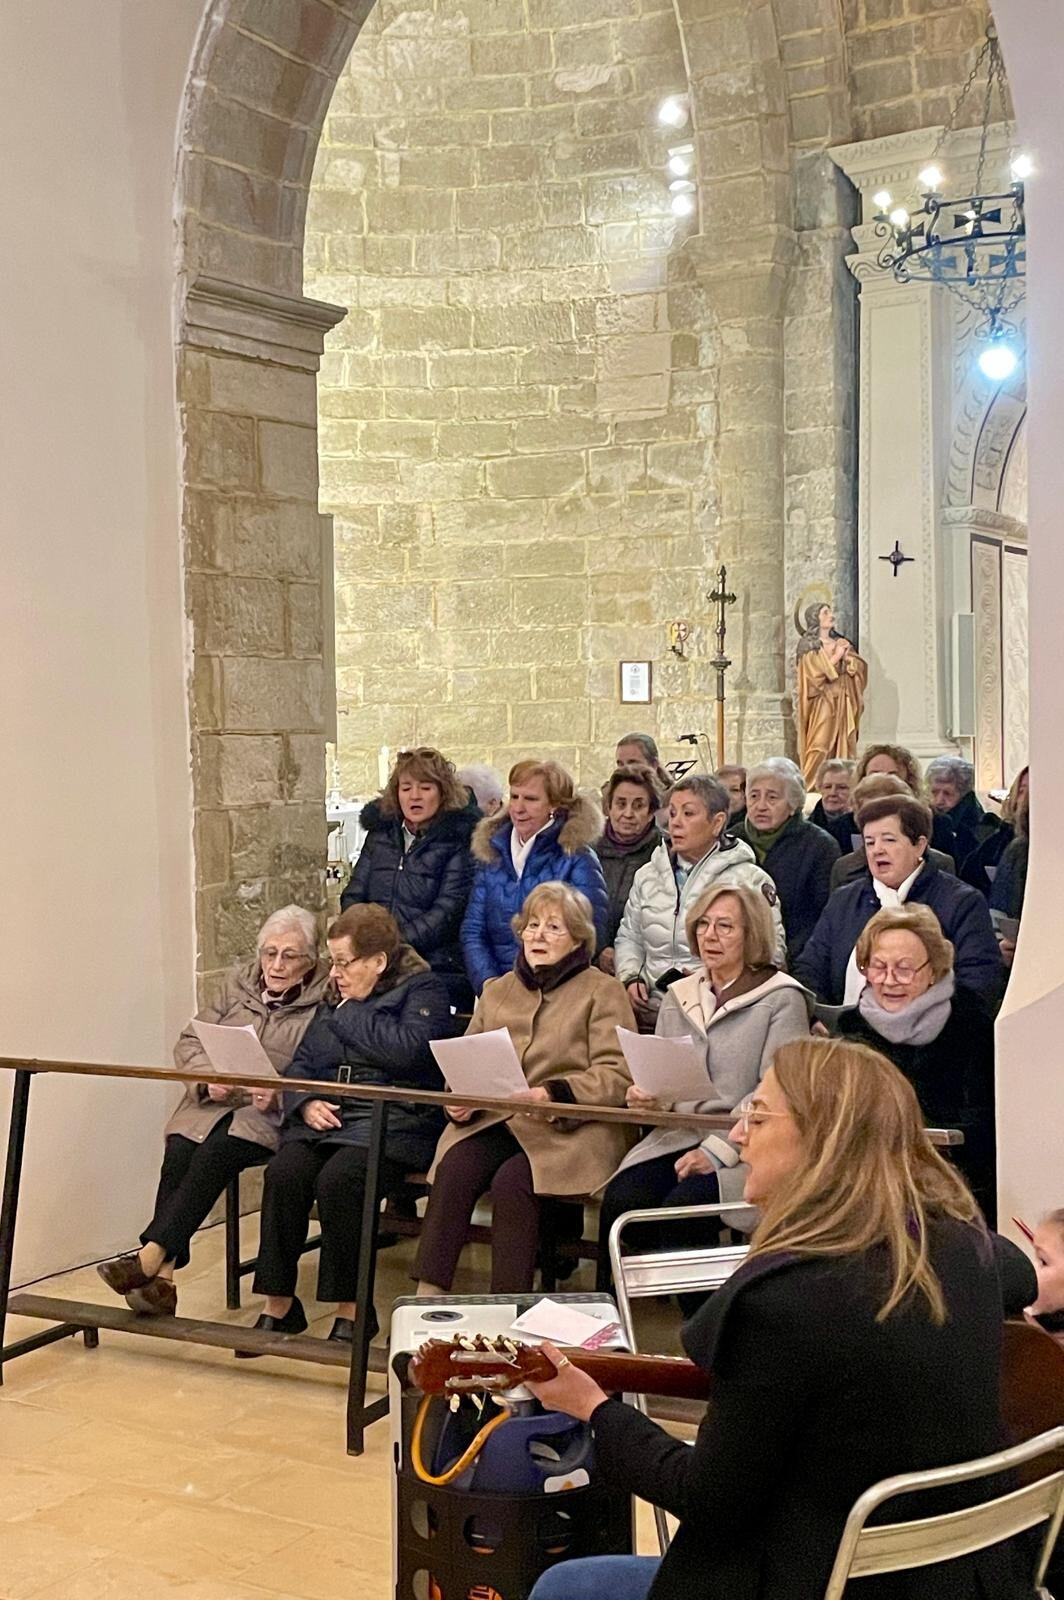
974,244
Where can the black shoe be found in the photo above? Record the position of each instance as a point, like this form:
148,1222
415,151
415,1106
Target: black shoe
343,1329
293,1321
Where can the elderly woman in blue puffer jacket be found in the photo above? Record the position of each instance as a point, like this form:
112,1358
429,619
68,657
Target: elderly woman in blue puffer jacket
544,835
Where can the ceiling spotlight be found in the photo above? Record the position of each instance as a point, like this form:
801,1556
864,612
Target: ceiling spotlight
998,361
900,217
673,112
1021,167
681,160
883,199
931,179
683,204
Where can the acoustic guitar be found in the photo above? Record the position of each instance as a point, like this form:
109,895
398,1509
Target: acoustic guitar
1032,1373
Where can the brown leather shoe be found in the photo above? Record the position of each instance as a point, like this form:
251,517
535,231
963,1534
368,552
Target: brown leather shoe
158,1298
123,1273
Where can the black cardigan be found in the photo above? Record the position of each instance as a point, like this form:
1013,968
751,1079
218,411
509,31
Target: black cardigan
799,864
813,1402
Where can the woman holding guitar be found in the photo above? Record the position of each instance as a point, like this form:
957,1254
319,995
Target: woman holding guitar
861,1338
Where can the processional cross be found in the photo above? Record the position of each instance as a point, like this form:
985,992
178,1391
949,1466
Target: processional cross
720,662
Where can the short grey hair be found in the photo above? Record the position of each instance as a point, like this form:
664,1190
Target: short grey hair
834,764
712,793
646,742
487,783
954,769
304,922
786,772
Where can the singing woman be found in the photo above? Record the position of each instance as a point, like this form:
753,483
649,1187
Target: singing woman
860,1338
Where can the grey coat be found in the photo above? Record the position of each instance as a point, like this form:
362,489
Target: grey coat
763,1010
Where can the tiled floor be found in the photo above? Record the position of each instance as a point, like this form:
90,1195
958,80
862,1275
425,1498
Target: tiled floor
145,1470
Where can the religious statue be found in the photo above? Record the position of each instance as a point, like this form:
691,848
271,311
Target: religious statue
831,687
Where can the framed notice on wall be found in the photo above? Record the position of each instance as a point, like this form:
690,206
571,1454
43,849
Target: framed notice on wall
635,683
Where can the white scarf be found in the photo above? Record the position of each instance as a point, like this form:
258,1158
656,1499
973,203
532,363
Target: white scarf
886,897
519,853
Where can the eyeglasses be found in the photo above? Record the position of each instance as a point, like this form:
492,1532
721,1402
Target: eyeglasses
270,952
341,963
902,972
719,925
751,1115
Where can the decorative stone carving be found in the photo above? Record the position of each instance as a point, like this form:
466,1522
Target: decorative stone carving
986,606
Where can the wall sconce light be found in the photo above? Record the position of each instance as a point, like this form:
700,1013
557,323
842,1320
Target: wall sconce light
679,633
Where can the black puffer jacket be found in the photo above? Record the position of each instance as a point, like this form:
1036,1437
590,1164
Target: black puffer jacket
619,867
424,888
383,1039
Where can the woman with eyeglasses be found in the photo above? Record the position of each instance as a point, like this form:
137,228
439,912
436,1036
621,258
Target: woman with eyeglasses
383,1006
937,1032
217,1130
860,1338
738,1009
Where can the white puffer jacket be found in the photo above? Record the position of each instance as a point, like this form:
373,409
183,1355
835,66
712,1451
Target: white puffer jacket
652,936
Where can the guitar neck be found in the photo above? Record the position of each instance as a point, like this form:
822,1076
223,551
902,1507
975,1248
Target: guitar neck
618,1373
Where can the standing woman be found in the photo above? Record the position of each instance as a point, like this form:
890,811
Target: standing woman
544,835
632,800
415,861
860,1338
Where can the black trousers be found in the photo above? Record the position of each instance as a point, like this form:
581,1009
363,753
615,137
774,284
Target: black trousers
490,1161
193,1176
334,1175
654,1183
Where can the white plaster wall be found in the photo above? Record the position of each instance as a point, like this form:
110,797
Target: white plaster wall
1031,1026
96,942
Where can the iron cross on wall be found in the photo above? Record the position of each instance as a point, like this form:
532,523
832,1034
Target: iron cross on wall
896,558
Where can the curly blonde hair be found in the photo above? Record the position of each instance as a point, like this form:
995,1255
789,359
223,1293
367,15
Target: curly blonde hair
904,760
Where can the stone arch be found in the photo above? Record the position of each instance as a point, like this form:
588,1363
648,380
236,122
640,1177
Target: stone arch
249,343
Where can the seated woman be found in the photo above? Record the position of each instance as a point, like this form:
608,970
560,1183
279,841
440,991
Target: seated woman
1009,888
415,861
852,866
545,835
861,1338
563,1016
218,1130
374,1028
982,866
738,1009
797,855
895,833
938,1033
834,783
651,950
632,800
896,761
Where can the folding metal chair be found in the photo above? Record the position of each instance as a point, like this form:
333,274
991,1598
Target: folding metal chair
662,1272
902,1546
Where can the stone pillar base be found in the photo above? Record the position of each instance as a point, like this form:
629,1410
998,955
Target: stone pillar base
757,724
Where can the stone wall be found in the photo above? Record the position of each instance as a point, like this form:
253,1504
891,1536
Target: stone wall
908,59
517,417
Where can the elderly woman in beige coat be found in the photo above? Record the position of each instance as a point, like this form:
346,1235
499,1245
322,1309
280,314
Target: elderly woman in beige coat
217,1129
562,1015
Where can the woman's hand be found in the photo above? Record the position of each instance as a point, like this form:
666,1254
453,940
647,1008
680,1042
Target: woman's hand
538,1096
572,1391
604,960
219,1093
1007,950
692,1162
321,1115
264,1099
461,1113
639,995
639,1100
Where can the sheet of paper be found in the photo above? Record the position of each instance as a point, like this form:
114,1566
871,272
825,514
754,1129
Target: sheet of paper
564,1324
234,1052
480,1063
669,1069
1005,927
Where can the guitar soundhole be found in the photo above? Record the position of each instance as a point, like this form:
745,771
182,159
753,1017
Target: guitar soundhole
484,1538
441,1316
424,1520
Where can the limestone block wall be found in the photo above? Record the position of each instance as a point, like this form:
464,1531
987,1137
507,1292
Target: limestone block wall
518,416
907,60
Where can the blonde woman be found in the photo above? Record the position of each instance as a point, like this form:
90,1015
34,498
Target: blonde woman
563,1015
739,1008
861,1338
